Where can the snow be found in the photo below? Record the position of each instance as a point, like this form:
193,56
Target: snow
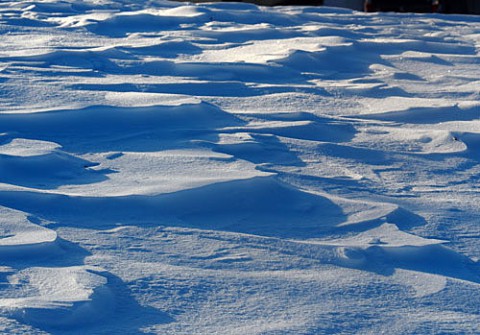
18,232
57,297
225,168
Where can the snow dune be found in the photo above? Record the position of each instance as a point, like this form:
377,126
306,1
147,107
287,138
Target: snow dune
19,233
224,168
60,297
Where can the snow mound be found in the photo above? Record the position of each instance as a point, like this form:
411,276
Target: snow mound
386,236
21,147
386,249
18,234
57,297
120,24
145,173
260,205
237,169
41,164
414,141
265,206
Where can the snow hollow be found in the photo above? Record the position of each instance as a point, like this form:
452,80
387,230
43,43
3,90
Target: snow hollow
224,168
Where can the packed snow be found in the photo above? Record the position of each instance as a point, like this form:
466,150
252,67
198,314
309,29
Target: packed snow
225,168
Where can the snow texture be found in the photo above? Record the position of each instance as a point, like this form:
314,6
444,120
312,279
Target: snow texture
225,168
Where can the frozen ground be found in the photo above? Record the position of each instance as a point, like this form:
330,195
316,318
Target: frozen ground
168,168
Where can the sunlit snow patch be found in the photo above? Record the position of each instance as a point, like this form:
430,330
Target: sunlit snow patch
42,165
150,173
27,148
387,235
413,141
18,234
408,258
56,296
423,264
139,99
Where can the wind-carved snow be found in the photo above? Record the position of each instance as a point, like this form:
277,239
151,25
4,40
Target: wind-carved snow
60,297
18,233
41,164
175,168
386,236
159,172
138,99
27,148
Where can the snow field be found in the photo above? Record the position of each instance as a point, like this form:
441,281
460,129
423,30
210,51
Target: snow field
224,168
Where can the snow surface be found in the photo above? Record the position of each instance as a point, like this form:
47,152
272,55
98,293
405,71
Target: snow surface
224,168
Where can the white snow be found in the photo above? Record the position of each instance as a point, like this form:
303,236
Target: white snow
17,232
57,296
387,236
225,168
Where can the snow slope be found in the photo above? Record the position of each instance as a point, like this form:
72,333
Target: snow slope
224,168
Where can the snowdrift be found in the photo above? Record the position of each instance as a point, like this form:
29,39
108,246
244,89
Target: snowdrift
178,168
